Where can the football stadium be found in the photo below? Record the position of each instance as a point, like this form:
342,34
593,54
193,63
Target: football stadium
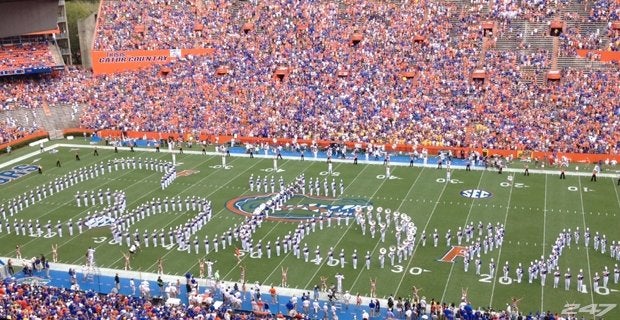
401,159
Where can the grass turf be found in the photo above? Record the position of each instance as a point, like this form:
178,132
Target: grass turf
534,210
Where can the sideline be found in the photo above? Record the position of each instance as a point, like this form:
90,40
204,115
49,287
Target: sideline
320,158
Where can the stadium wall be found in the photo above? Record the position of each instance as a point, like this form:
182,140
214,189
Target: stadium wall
86,31
574,157
106,62
23,141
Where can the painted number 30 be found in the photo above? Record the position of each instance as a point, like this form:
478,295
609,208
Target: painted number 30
597,310
414,271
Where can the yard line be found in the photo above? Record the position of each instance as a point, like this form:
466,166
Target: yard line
20,181
400,283
379,242
343,234
499,253
290,252
71,200
588,247
613,185
144,195
471,208
544,245
214,191
268,233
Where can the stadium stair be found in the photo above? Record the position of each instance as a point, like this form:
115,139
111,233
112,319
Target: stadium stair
56,55
580,63
59,118
574,7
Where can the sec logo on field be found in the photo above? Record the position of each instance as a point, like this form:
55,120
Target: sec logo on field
475,194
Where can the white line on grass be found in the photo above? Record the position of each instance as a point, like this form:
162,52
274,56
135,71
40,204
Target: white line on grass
379,242
144,195
544,244
613,185
275,225
471,208
214,215
428,221
346,230
499,253
588,247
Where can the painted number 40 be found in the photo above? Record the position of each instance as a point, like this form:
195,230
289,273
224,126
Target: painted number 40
598,310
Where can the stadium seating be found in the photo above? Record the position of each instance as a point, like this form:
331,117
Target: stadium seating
147,25
35,92
368,71
25,301
10,132
22,56
326,95
384,87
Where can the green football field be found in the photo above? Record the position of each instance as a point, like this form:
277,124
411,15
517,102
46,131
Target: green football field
534,211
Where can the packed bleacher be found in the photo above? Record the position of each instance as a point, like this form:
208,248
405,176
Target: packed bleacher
148,25
31,301
22,56
440,106
41,302
335,88
33,92
10,130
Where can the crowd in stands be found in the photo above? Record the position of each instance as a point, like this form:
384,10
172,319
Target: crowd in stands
32,301
22,56
10,131
604,10
604,38
335,88
152,24
25,301
371,102
72,86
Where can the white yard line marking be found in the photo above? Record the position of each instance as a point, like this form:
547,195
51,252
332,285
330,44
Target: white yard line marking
591,289
379,242
499,253
207,196
345,231
544,244
471,208
428,221
613,185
